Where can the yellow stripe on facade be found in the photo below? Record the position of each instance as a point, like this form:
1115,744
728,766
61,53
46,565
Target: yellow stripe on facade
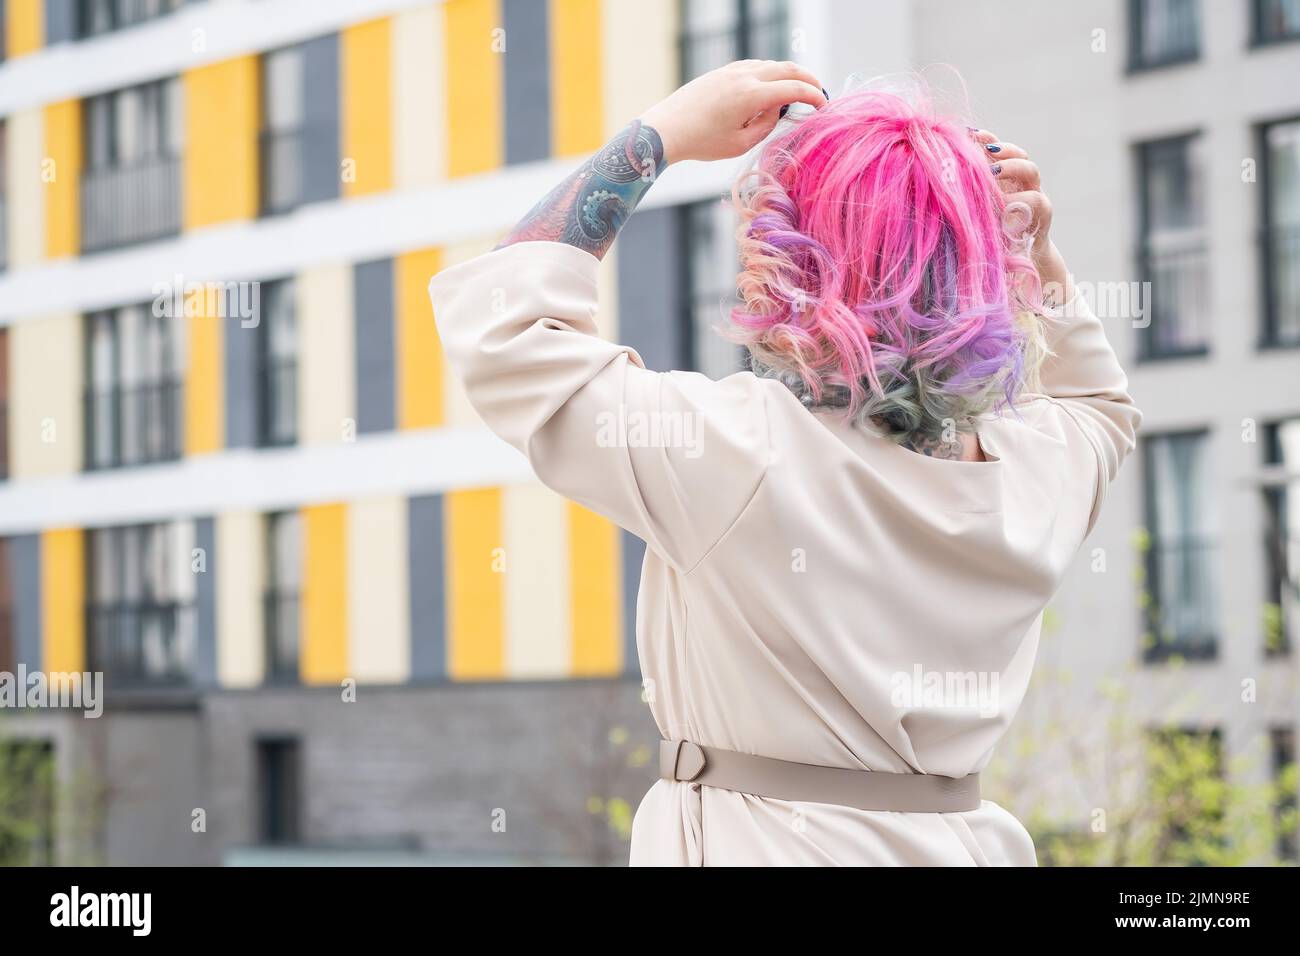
63,576
222,117
204,383
61,173
324,654
367,107
419,352
473,55
24,27
594,594
576,109
477,563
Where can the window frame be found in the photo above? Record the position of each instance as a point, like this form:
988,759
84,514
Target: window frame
1258,37
1137,64
1268,340
1146,351
1161,651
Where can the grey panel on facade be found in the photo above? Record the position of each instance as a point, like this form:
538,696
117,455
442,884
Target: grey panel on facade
428,601
527,81
633,555
372,289
205,604
25,566
650,293
239,348
60,21
320,143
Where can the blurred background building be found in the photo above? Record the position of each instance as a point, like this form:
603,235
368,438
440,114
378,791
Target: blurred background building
337,619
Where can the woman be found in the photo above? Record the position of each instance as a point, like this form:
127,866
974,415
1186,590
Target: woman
847,564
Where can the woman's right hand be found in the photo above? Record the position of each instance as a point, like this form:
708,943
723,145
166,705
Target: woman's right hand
1020,181
726,112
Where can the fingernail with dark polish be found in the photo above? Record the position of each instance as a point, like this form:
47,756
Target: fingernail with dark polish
972,129
993,148
785,109
825,94
995,168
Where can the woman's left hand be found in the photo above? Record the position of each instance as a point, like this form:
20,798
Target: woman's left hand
725,112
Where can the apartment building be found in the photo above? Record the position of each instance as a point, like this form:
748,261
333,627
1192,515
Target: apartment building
338,619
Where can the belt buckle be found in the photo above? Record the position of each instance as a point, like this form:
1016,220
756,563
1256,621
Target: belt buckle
680,760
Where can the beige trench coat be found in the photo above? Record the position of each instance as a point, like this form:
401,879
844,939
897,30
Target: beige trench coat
805,582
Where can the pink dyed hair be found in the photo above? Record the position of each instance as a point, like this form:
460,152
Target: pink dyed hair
877,277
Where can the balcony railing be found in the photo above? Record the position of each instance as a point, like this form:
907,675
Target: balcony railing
132,425
1178,306
1281,258
278,402
1182,609
280,624
143,643
104,16
121,205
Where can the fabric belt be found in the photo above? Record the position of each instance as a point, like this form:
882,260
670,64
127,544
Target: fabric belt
808,783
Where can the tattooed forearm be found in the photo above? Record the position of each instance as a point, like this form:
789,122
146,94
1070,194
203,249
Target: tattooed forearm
934,447
589,208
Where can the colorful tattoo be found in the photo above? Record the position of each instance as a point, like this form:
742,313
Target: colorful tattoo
589,208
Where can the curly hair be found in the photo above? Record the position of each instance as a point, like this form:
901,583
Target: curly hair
878,275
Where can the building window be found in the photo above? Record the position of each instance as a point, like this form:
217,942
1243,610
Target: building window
130,179
277,365
283,136
1280,239
283,592
1181,590
1172,254
141,619
8,643
1282,746
27,793
104,16
1282,537
710,264
279,789
715,32
133,392
1163,32
1274,21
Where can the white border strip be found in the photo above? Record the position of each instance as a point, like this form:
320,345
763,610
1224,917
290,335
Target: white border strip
167,46
350,231
392,463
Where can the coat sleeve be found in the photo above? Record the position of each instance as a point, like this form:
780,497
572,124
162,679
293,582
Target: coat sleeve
1083,377
673,458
